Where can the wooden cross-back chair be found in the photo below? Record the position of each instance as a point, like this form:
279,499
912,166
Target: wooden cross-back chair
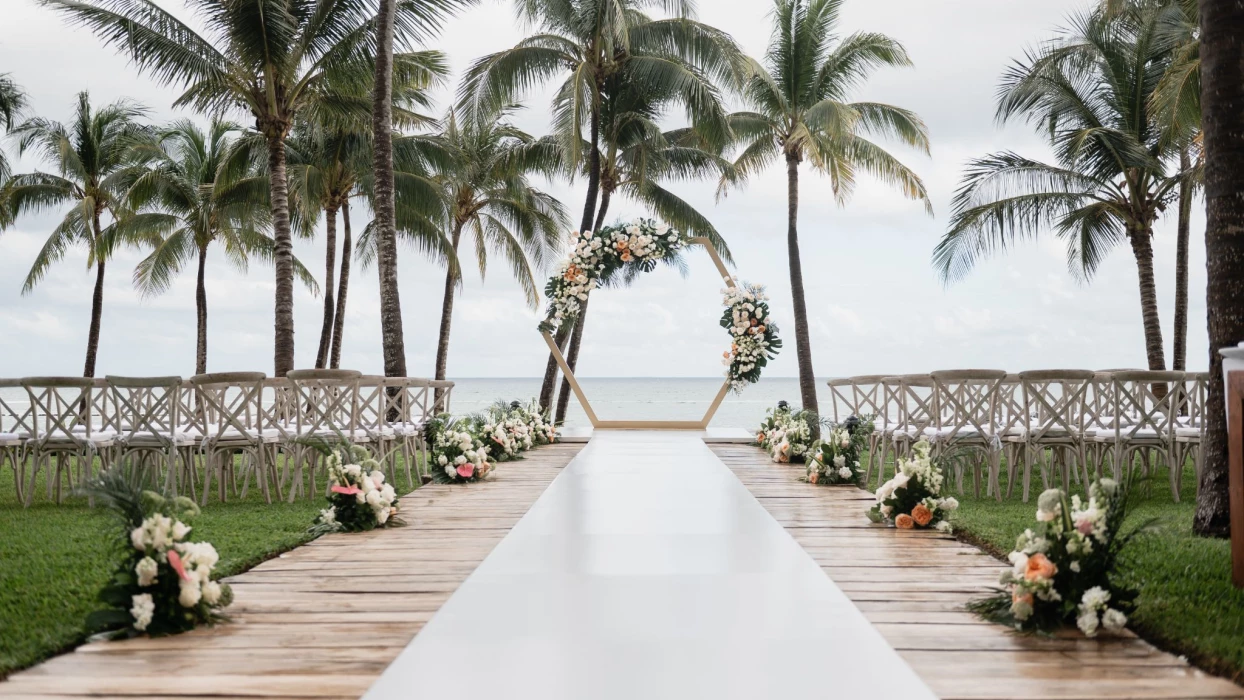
230,407
1190,423
149,411
61,437
1055,418
16,428
1151,400
841,404
867,400
325,410
968,409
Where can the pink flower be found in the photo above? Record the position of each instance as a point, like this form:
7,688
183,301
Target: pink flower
347,490
1085,526
174,560
466,471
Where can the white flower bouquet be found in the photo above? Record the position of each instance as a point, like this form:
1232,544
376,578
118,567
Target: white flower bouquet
753,335
596,256
458,450
913,498
835,459
163,581
358,497
1061,569
786,435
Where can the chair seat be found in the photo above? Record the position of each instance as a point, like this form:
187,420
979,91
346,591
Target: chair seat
265,435
146,438
1186,434
11,439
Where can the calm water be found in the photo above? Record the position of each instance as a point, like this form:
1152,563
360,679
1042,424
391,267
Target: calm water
619,399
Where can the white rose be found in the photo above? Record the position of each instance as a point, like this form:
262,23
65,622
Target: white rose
844,473
1087,622
450,471
382,516
146,570
190,593
460,460
211,592
1113,620
180,530
840,461
138,537
442,460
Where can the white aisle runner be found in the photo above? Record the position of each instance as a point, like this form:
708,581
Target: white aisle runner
647,571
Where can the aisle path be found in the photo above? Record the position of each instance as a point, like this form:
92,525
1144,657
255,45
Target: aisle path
647,571
323,620
913,586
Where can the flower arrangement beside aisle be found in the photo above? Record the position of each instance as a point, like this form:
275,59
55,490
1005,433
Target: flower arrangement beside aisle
1062,567
786,435
358,497
836,458
162,583
913,498
468,449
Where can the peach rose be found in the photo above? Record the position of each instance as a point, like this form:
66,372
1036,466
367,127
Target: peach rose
922,515
904,522
1017,598
814,477
1040,568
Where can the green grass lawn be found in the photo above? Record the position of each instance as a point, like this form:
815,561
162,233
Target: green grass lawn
53,560
1187,604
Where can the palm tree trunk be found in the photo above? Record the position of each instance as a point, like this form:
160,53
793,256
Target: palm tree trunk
1142,249
386,234
447,312
589,211
97,312
1222,122
576,338
283,257
343,283
803,344
1180,351
200,307
330,269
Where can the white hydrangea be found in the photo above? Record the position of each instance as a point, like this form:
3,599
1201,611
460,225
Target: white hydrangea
142,609
146,570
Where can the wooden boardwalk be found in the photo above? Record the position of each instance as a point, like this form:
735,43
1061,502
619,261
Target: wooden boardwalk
912,586
323,620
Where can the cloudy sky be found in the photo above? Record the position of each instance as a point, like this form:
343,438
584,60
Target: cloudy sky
875,303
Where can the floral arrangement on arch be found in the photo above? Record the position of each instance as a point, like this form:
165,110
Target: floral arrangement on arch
162,583
913,498
753,335
358,497
1062,566
836,458
786,435
595,256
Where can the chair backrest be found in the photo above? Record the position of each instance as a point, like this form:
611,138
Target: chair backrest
867,398
147,407
60,408
840,399
327,400
17,416
919,402
1150,399
230,404
1055,403
893,414
1010,412
418,398
1191,412
443,388
967,403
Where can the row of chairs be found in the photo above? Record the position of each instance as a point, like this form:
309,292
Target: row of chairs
1068,423
180,435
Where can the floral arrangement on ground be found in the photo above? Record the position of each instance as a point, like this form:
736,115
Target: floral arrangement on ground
913,498
786,435
836,459
358,497
468,448
163,581
753,335
1062,567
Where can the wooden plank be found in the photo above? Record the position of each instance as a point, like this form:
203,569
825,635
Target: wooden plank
913,586
321,621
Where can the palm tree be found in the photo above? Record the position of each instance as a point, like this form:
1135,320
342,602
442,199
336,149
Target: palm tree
1222,120
1089,91
280,60
800,112
487,192
636,158
93,157
587,41
198,189
12,104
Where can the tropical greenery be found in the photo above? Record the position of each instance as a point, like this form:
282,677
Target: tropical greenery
800,110
12,103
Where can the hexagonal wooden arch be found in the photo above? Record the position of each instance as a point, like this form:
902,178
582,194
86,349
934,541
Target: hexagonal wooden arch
701,424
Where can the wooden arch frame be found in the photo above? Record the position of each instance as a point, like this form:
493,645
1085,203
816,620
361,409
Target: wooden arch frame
597,423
